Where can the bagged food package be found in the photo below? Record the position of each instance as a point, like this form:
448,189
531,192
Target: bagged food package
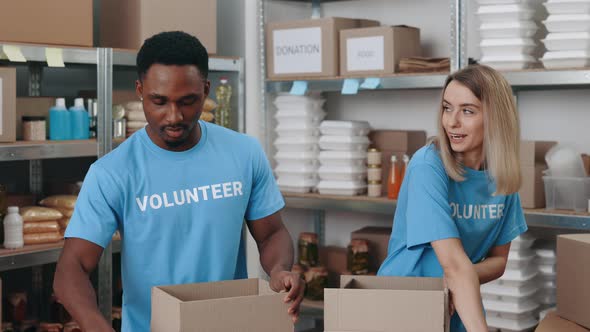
61,201
42,238
209,105
134,106
136,116
208,117
63,223
39,213
65,211
40,227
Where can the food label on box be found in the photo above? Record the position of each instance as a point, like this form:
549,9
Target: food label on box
297,51
1,110
365,53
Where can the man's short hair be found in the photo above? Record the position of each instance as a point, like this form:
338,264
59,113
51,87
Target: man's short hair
172,48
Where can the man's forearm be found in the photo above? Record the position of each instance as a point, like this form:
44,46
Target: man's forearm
490,269
276,253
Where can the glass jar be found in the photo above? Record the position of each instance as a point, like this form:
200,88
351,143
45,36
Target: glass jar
358,257
374,173
374,189
308,249
116,316
34,128
316,280
17,307
374,157
72,327
50,327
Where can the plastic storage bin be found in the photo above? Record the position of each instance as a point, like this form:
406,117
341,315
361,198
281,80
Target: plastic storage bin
567,6
344,128
509,62
343,173
566,193
568,23
343,158
503,13
567,41
344,143
344,188
516,29
503,46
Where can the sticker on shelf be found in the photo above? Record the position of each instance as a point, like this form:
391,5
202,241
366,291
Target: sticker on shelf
13,53
371,83
350,86
54,57
366,53
299,88
297,50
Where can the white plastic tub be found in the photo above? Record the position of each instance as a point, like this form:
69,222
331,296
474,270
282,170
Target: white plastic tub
568,23
520,259
546,256
297,144
343,158
507,46
567,6
296,171
288,101
517,278
344,143
314,117
509,62
503,13
509,325
507,315
566,59
290,184
512,29
297,129
524,291
511,308
511,300
343,173
344,128
567,41
502,2
567,193
343,188
522,242
298,158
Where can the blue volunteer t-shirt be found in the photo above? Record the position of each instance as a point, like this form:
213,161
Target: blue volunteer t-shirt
180,214
432,206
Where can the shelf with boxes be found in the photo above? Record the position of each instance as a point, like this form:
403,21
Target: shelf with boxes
25,150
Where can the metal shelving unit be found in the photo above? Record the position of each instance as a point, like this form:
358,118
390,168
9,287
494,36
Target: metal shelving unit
48,150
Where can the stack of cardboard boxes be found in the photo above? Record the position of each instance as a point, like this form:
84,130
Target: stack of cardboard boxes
532,163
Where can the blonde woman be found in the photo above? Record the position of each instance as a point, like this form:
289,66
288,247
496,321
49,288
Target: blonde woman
458,208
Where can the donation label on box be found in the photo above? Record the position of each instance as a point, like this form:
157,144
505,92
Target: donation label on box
297,50
366,53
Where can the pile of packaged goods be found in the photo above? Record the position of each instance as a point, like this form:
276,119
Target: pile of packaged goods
343,157
308,266
510,302
507,34
547,263
298,120
568,40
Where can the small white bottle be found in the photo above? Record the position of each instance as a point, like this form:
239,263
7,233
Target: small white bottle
13,229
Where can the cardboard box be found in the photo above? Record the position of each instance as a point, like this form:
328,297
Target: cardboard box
398,142
235,305
7,104
573,276
378,238
533,152
553,323
32,106
386,304
307,47
126,24
378,50
532,192
56,22
335,260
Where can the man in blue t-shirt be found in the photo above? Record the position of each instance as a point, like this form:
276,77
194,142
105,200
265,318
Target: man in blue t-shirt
178,191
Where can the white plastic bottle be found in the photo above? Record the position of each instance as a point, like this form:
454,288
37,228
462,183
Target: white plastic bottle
13,229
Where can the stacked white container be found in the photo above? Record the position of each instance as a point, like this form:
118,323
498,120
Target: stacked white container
568,40
297,131
547,264
343,169
507,34
510,302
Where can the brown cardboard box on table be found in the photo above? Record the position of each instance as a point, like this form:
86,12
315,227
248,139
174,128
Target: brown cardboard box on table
307,47
7,104
386,304
532,163
378,238
553,323
32,106
55,22
126,24
247,305
398,142
377,50
573,278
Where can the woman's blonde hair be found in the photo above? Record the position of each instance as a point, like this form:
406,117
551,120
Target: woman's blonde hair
501,128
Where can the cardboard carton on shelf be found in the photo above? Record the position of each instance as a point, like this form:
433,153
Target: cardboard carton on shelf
32,106
235,305
553,323
532,163
387,304
7,104
307,48
376,50
573,275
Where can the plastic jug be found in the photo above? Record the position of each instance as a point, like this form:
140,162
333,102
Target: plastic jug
80,122
59,121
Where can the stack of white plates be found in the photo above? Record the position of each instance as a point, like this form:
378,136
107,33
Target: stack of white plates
511,302
547,261
343,169
297,131
507,29
568,40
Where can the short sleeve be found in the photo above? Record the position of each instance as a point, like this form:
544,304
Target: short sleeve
428,212
265,197
513,223
95,217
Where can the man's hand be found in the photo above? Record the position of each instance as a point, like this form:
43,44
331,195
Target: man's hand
294,285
